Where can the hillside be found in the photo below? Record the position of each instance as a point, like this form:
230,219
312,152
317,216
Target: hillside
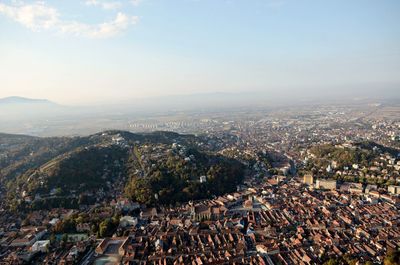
363,162
362,153
151,168
167,175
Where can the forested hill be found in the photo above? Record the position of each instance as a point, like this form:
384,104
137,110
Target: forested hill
151,168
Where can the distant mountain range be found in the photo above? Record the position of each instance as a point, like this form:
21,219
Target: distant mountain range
23,100
43,117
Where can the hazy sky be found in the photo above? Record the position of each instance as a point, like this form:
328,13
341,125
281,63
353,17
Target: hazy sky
105,50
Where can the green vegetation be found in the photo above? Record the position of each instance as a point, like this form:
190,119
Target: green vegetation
367,157
344,260
108,227
174,180
266,159
103,227
89,168
153,168
85,169
343,156
24,152
392,258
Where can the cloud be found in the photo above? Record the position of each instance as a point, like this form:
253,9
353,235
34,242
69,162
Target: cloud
38,17
34,16
104,4
103,30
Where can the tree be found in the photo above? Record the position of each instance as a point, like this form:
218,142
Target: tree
108,226
52,238
64,238
139,190
66,226
173,180
332,261
392,258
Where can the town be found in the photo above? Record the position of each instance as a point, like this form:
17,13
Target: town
318,188
188,132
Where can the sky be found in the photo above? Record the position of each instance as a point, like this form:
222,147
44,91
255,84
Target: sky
98,51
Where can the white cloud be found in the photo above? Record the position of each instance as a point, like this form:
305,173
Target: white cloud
104,4
103,30
38,16
33,16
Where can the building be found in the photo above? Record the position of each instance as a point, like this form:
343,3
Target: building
83,227
148,213
29,237
329,169
394,189
325,184
248,204
41,246
26,241
308,179
201,212
203,179
112,246
280,178
128,221
73,238
370,188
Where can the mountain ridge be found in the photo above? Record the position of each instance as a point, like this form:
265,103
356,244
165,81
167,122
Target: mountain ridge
24,100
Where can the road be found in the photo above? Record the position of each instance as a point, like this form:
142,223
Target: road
88,258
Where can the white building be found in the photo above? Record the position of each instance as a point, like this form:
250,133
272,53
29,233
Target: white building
41,246
203,179
329,169
128,221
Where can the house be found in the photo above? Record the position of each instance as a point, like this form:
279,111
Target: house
54,221
308,179
203,179
76,237
326,184
83,227
201,212
115,245
29,236
248,204
27,240
148,213
126,221
41,246
394,189
127,205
